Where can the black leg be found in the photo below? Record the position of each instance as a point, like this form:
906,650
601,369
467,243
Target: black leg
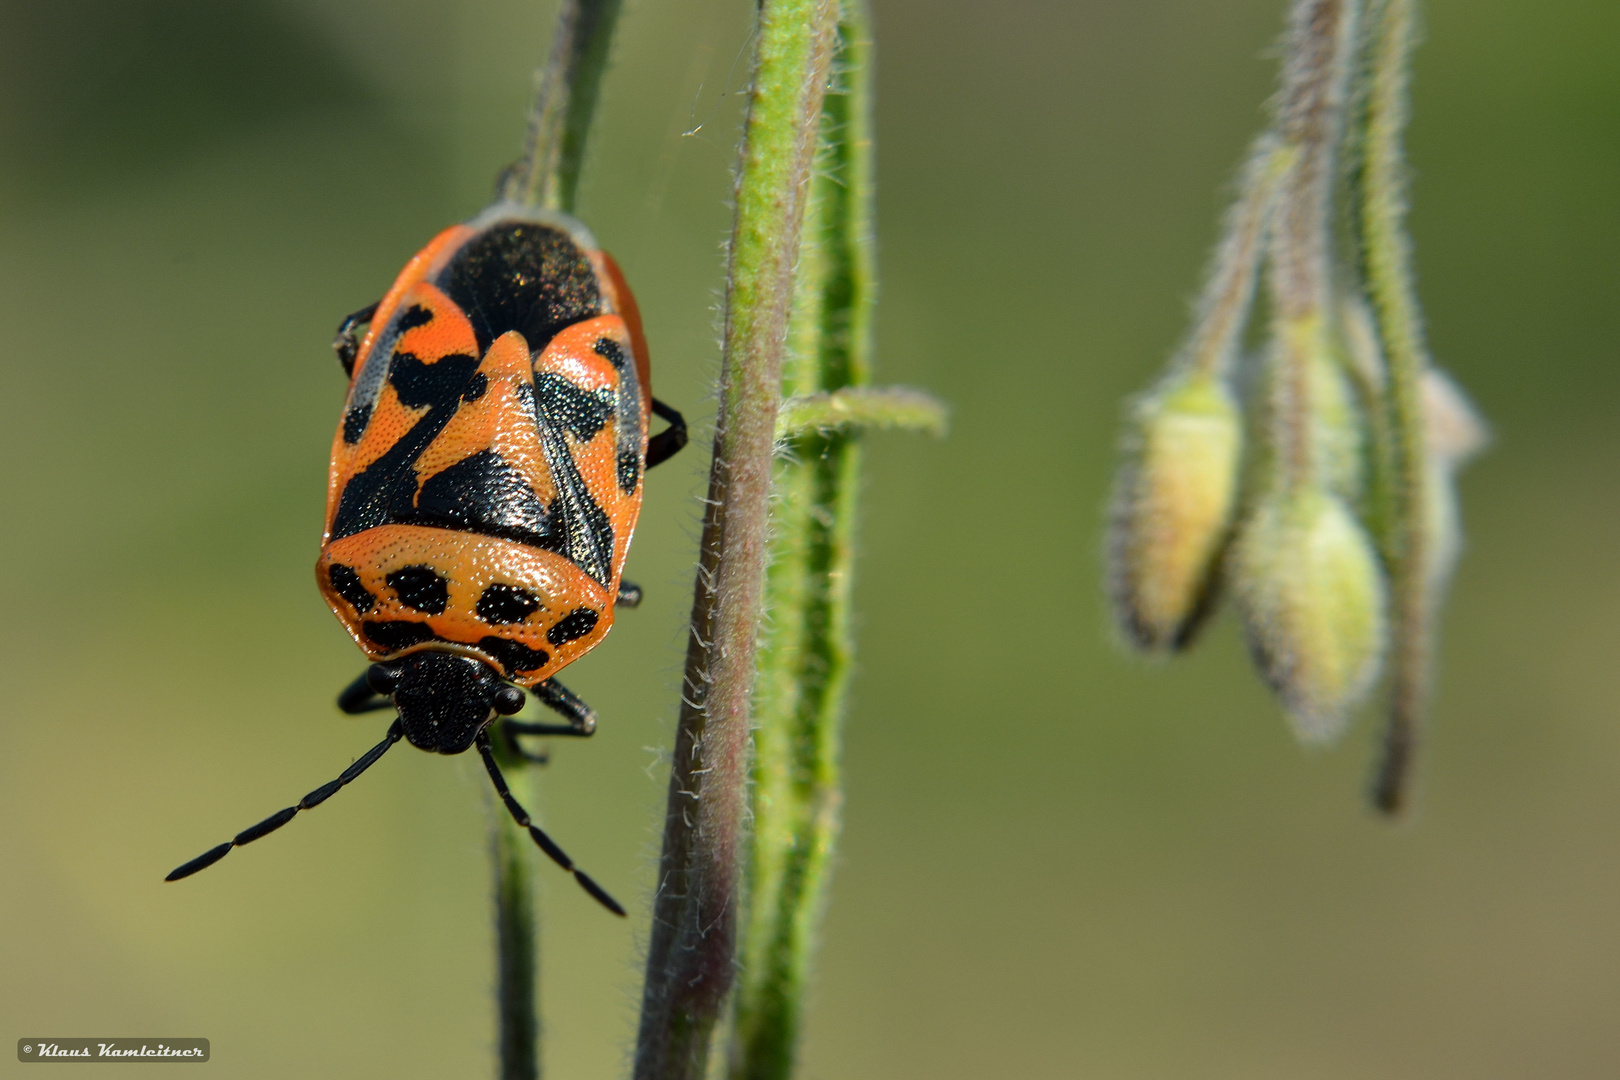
533,757
281,817
629,595
664,445
346,345
545,843
557,697
358,697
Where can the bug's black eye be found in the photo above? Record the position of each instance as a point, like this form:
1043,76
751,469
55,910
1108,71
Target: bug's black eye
383,679
508,700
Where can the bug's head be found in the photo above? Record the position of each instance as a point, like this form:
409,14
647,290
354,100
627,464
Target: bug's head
444,699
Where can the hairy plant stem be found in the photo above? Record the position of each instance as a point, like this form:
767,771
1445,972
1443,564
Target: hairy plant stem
1386,265
517,947
547,175
1310,111
1229,287
690,956
566,90
805,651
851,409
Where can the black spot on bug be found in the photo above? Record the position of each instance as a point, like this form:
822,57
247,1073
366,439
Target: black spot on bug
475,387
416,315
629,470
573,626
501,604
571,408
354,423
609,350
347,584
483,493
419,587
423,385
523,276
394,635
385,490
513,656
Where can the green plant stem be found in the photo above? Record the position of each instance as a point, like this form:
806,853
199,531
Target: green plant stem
1228,293
690,955
1310,111
566,89
805,650
1386,264
547,175
517,953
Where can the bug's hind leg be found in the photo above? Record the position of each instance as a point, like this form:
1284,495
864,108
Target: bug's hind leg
667,443
358,697
346,344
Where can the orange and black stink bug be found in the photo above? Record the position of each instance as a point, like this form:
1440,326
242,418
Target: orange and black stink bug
485,482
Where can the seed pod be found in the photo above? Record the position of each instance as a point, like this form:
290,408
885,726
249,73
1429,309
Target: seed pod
1311,591
1173,507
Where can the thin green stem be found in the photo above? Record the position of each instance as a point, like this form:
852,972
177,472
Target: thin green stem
517,952
566,89
1310,111
1228,295
853,409
690,954
1386,263
806,647
547,175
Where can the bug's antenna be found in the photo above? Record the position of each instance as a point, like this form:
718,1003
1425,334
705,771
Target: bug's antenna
546,844
281,817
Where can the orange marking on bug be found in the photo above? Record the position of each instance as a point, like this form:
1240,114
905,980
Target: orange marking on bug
623,302
572,355
501,419
469,564
423,264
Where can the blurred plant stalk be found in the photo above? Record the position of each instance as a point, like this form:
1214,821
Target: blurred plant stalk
1313,482
806,647
737,909
547,175
691,957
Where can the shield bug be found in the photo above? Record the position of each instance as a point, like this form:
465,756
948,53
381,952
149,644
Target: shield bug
485,481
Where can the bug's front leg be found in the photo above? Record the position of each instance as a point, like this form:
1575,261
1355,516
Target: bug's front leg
555,696
358,697
346,344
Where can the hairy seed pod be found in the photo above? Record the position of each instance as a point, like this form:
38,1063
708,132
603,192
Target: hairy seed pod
1173,507
1312,595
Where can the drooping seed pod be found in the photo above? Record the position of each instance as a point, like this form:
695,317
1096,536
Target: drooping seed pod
1312,594
1173,506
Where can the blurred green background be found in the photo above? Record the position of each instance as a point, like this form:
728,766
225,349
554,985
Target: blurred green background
1059,861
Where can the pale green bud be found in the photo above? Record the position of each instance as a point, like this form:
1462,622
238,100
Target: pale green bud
1173,507
1311,381
1311,590
1338,427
